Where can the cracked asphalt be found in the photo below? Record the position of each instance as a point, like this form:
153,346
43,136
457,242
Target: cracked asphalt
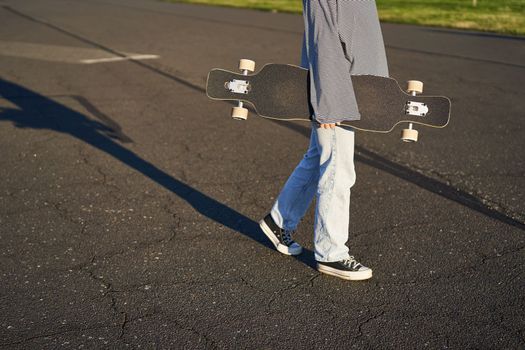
129,201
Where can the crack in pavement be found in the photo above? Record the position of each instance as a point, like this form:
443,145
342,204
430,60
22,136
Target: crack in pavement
127,320
208,342
142,245
278,293
64,213
113,300
511,279
51,334
361,324
500,255
85,159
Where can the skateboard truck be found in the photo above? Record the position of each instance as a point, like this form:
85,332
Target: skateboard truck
418,109
238,86
241,87
413,108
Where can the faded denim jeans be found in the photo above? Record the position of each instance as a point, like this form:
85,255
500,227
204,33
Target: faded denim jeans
326,171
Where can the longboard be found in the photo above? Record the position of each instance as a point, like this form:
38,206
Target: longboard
281,91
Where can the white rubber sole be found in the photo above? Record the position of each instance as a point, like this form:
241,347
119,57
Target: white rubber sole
347,275
294,249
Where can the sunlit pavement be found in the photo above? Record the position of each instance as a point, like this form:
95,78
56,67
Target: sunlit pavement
129,201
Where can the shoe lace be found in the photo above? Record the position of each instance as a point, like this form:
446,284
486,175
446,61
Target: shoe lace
351,263
287,236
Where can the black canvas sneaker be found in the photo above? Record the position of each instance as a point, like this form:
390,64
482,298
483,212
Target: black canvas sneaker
281,239
348,269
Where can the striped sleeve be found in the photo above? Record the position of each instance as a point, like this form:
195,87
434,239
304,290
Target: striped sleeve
331,91
342,38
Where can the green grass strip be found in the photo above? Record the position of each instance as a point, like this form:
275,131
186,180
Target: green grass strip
498,16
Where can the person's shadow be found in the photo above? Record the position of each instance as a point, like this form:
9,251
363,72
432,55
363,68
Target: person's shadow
38,112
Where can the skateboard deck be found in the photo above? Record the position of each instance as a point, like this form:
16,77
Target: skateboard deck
281,91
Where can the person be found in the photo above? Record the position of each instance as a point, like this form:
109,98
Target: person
341,38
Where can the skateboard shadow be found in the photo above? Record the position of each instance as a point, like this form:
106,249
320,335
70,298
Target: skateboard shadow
39,112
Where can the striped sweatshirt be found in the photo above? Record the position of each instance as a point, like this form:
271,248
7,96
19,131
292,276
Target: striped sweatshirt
341,38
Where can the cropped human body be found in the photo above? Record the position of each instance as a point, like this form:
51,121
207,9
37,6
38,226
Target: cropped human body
342,38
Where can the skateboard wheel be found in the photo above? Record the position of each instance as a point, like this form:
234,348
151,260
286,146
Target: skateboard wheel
248,65
239,113
409,135
415,86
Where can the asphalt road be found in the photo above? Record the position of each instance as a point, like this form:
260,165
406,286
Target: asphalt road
129,201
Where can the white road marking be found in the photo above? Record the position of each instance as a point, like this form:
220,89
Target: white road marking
119,58
67,54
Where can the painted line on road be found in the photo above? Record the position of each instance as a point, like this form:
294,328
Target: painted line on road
118,58
67,54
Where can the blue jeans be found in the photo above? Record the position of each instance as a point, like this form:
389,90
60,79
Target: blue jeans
326,171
